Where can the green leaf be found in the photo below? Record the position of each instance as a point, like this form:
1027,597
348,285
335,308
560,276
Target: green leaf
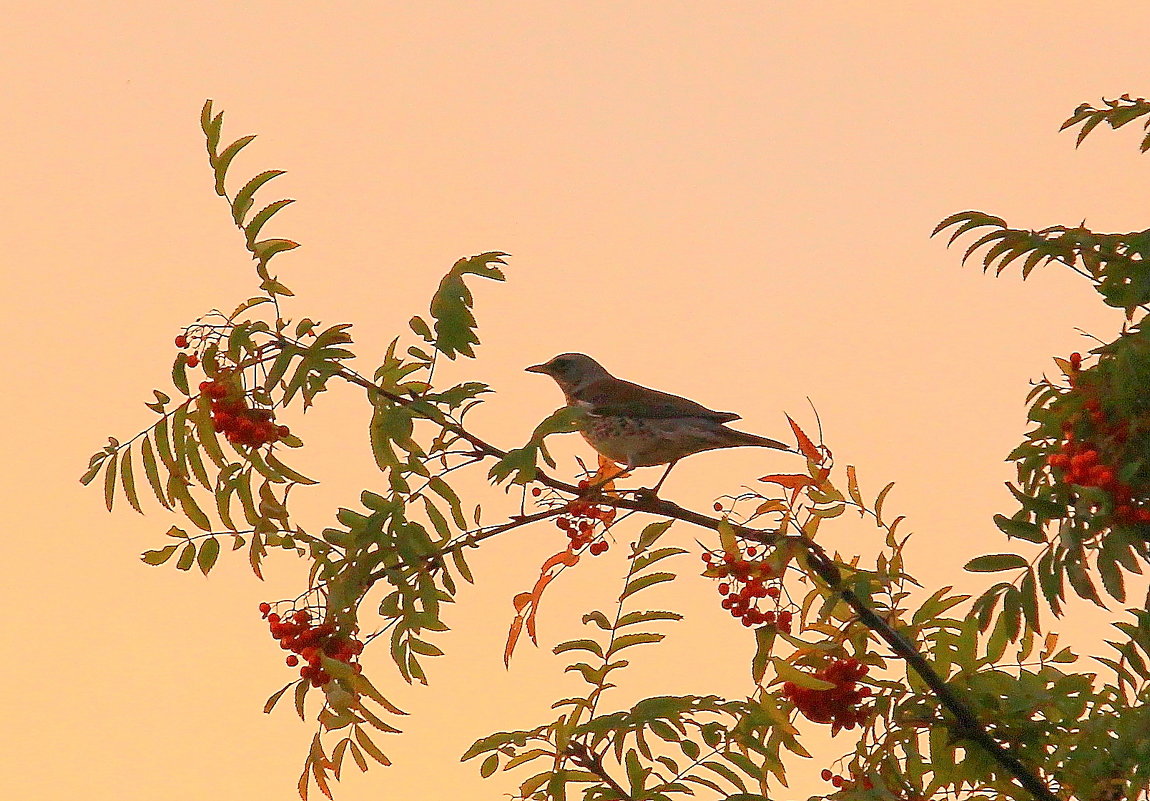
152,471
93,467
489,765
996,562
243,199
1111,574
1019,528
640,617
451,305
224,159
764,641
187,557
287,472
784,671
879,501
263,251
519,464
629,640
579,645
110,481
209,553
651,533
128,481
160,556
643,582
252,229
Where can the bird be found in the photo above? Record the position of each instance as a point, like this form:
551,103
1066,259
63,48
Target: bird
637,426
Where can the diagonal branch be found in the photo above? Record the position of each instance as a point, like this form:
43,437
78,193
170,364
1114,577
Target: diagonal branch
823,565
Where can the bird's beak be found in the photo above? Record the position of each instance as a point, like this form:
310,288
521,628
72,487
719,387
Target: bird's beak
538,368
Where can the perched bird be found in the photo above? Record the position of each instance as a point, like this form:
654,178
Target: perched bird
641,427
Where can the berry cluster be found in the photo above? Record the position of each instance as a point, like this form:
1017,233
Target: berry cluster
311,643
838,705
743,582
232,417
1081,461
855,782
579,520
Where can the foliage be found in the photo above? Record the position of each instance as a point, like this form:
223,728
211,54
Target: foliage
935,693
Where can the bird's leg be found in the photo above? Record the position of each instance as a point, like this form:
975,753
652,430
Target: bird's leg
667,472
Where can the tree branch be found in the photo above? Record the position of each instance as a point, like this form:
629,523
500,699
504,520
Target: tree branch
823,565
585,758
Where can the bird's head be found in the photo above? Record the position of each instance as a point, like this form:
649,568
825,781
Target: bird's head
572,371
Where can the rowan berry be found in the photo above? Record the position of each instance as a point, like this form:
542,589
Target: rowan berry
193,360
181,341
292,660
265,608
826,774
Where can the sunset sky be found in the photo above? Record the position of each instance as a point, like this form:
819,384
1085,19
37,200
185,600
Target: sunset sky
730,201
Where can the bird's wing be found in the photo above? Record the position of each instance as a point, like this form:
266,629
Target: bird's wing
620,397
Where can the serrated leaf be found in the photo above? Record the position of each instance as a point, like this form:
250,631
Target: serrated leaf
209,553
643,582
451,305
187,557
242,202
651,533
110,480
995,562
158,557
628,640
257,222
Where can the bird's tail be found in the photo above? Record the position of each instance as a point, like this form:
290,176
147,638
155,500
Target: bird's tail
743,438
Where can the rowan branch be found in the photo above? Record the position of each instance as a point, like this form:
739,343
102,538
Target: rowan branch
823,565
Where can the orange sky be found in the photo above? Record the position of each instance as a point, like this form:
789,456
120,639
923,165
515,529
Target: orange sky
730,201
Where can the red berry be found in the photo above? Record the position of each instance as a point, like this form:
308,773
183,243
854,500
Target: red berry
598,547
718,506
1075,360
837,781
181,341
273,618
826,774
724,588
292,660
301,616
265,608
193,360
707,557
536,492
